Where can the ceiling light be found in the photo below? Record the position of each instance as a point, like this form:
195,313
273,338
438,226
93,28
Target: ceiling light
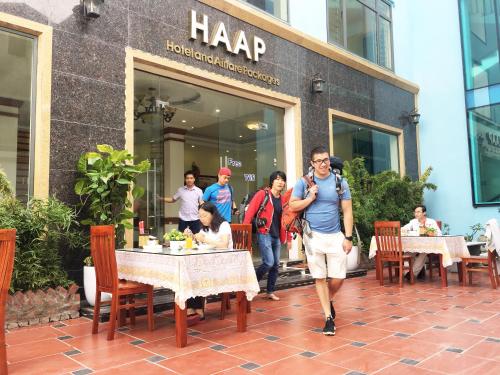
183,121
192,146
255,150
241,136
257,125
192,127
227,150
217,110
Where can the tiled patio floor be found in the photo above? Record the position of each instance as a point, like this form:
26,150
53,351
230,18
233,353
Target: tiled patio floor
420,329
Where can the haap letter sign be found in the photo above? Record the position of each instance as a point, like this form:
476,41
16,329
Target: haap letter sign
219,35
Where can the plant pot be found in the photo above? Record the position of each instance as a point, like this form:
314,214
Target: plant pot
353,259
177,245
89,285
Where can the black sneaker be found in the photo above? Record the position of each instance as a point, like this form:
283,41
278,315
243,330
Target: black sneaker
332,311
329,329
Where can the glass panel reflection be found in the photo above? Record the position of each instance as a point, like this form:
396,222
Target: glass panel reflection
361,30
277,8
379,149
16,66
484,131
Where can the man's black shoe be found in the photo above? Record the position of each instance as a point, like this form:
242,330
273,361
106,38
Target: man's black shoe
421,274
332,311
329,329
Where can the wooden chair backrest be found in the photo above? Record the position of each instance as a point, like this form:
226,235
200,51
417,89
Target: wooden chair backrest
7,252
102,248
242,236
388,237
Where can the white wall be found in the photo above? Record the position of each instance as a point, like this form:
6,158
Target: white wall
309,16
427,50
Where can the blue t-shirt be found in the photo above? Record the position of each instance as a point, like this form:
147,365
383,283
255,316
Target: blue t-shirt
221,196
323,213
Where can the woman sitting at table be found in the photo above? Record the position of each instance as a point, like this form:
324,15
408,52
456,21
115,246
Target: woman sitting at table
215,234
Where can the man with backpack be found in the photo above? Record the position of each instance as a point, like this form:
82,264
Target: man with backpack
325,244
266,207
221,194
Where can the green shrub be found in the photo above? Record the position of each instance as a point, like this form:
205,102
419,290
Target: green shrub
383,196
107,176
43,228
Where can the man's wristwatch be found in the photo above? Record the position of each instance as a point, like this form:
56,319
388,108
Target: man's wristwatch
348,238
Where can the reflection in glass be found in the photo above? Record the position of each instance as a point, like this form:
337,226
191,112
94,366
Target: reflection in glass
484,133
277,8
335,23
16,66
379,149
209,129
480,36
361,30
384,44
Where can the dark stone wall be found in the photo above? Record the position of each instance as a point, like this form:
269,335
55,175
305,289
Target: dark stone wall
88,76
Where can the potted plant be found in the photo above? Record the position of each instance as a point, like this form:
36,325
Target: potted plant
474,248
176,239
89,282
106,183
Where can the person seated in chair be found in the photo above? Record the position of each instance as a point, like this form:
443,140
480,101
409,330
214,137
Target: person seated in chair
421,221
215,234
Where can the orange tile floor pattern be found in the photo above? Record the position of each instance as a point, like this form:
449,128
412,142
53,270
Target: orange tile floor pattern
420,329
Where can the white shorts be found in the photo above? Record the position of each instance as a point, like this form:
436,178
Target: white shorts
325,255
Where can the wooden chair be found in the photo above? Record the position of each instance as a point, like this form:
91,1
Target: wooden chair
7,252
390,249
484,263
102,247
242,239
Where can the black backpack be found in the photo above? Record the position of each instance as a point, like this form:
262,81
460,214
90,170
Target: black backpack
246,202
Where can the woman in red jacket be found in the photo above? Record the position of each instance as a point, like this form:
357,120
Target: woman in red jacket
266,207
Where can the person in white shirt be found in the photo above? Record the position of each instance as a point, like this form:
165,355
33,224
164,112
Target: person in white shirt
421,220
215,234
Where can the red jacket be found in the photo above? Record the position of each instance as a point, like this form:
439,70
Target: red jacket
267,212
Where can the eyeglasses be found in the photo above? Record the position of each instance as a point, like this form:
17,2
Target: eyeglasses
322,161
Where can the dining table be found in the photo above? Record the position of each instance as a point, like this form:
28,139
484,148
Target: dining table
192,273
449,248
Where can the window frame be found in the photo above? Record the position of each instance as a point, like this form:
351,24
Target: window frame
377,30
381,127
287,21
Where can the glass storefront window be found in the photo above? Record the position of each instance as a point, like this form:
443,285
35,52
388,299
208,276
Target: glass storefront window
277,8
16,90
362,27
480,38
207,129
379,149
484,136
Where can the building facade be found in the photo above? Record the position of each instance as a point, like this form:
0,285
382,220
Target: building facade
198,85
455,61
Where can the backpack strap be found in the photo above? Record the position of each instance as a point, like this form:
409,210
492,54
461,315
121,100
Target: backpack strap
263,203
310,183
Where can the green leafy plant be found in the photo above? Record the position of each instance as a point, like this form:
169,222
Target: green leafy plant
88,261
44,227
174,235
446,229
106,178
5,189
478,227
383,196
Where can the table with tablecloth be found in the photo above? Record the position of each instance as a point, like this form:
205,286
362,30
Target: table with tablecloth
191,273
449,248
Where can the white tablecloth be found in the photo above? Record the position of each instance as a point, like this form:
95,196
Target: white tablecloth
451,247
189,276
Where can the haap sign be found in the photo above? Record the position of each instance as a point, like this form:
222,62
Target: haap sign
219,35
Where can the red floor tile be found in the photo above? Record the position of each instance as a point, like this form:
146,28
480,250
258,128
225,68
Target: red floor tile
111,356
281,328
405,348
262,351
140,367
314,342
48,365
452,363
35,349
168,348
228,336
486,349
300,365
358,359
205,361
21,336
